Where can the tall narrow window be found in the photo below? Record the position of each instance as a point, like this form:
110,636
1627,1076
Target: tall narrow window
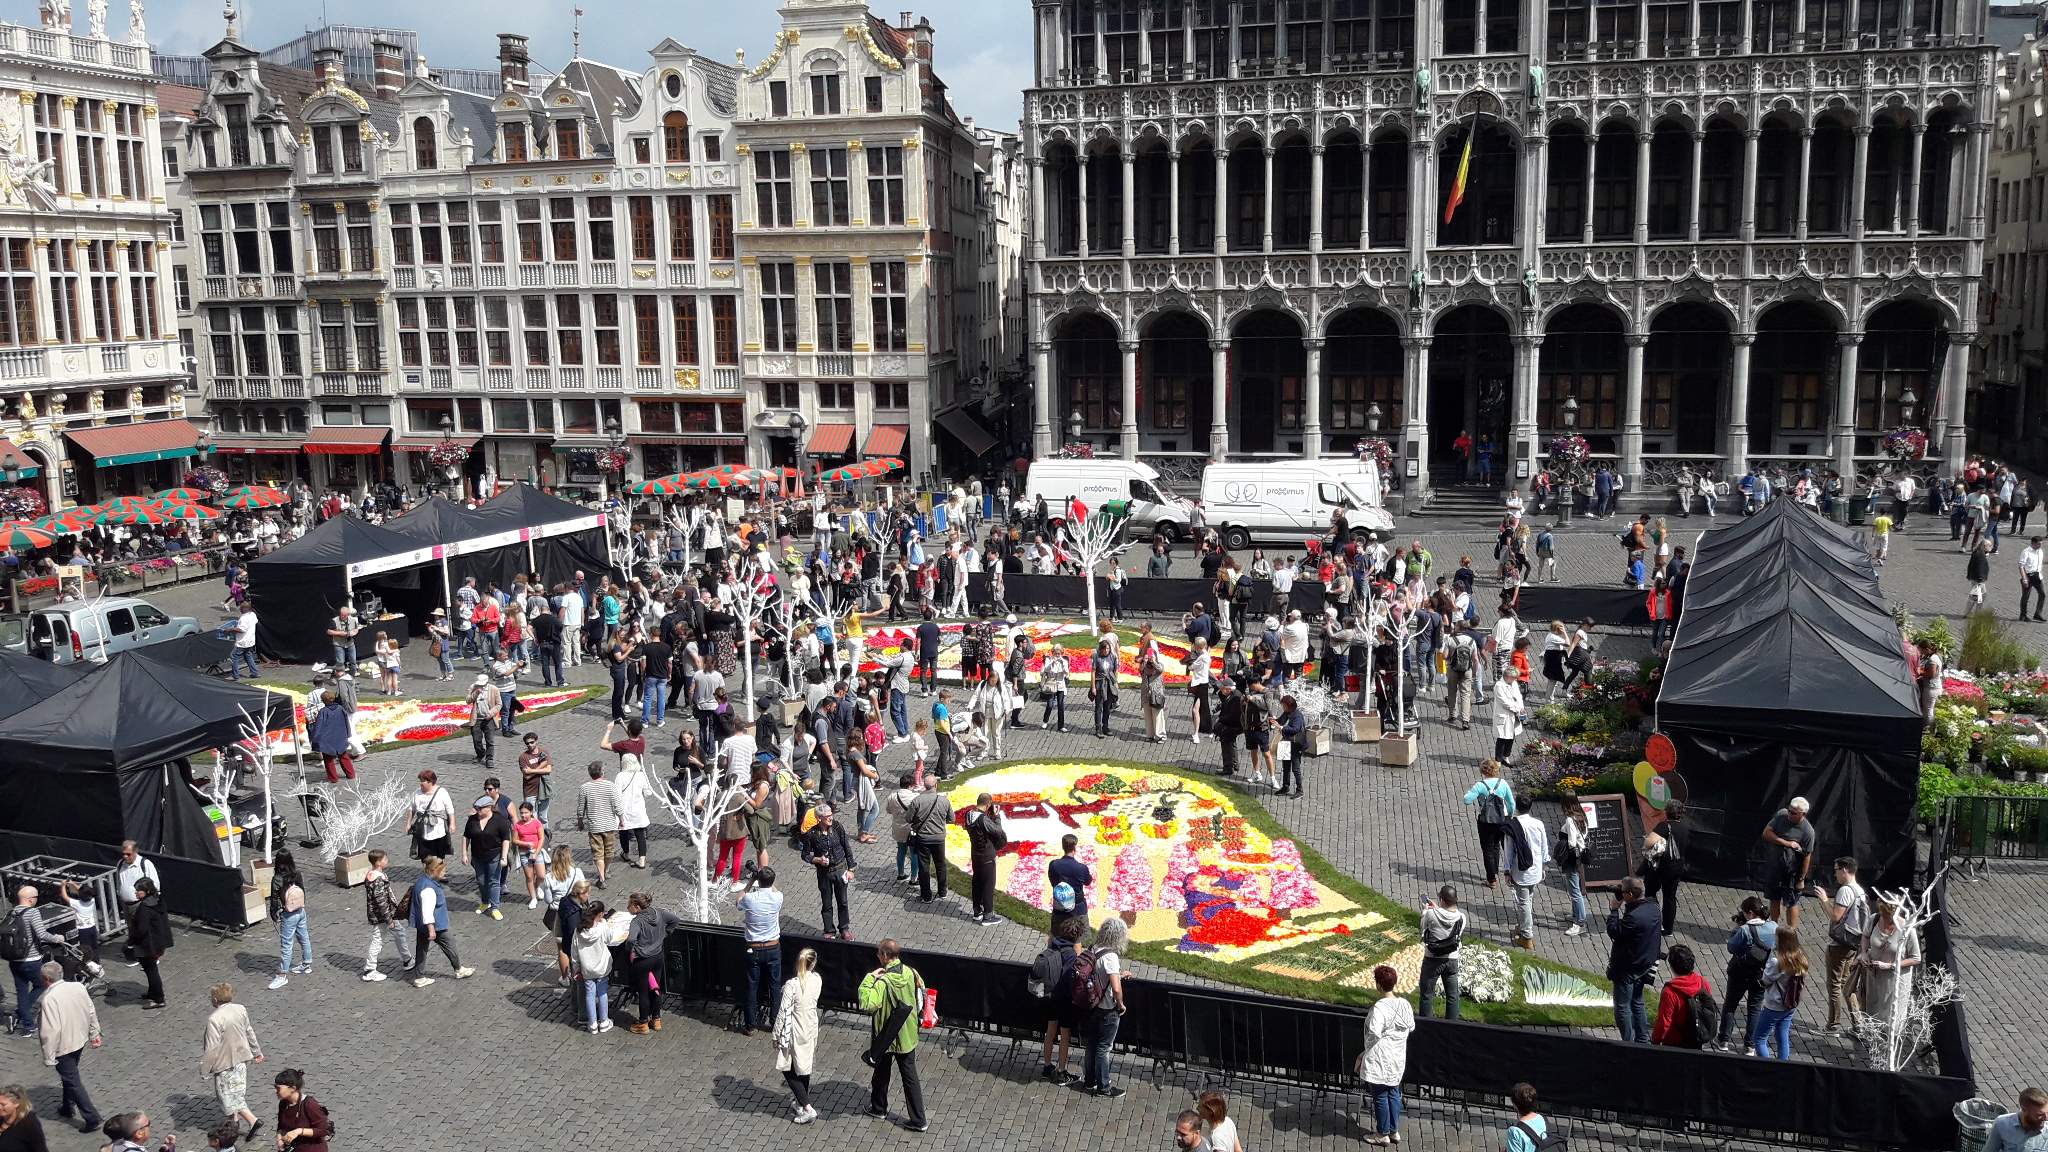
604,320
640,219
684,319
725,329
778,98
682,228
834,304
569,328
720,224
778,307
603,243
237,115
351,146
871,87
825,94
774,197
562,227
568,139
885,184
889,304
18,293
830,191
424,156
647,329
675,138
1389,191
515,144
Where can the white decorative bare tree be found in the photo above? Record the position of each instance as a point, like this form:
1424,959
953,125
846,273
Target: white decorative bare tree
698,814
1098,538
1896,1038
356,813
753,593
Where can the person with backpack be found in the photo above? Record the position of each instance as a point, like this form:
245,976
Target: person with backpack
1098,988
1530,1132
22,936
1687,1016
1848,920
1461,660
1049,981
1635,932
288,908
1749,950
302,1124
1443,936
1070,880
1496,800
893,996
1784,982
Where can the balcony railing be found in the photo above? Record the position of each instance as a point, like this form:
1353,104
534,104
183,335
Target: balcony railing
113,357
352,384
498,379
835,365
23,364
682,275
60,45
533,276
565,275
442,378
725,379
604,272
572,377
539,378
493,276
647,379
611,378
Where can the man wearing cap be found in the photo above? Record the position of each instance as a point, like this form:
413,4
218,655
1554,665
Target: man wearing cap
1791,834
487,847
830,851
483,720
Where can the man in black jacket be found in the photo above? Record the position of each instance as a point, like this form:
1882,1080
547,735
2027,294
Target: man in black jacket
547,640
1636,929
1229,722
829,850
985,838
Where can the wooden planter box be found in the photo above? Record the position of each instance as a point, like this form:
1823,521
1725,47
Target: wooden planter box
1317,742
253,900
790,709
351,868
1398,751
1365,727
260,873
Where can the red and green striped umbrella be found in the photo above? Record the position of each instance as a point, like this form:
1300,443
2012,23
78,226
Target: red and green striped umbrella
661,486
265,497
850,472
184,495
739,477
246,501
193,512
134,514
22,538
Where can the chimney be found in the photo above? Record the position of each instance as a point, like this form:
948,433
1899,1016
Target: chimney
327,62
922,36
512,61
390,65
903,21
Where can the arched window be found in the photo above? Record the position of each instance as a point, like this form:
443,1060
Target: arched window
295,419
423,156
675,138
273,420
1486,210
230,420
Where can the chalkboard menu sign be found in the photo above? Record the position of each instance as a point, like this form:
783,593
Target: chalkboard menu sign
1610,841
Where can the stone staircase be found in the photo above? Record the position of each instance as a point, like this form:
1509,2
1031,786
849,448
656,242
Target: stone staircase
1461,502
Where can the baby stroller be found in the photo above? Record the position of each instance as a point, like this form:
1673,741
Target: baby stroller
77,966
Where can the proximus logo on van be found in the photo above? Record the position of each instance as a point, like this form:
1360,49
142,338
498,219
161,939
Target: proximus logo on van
1240,492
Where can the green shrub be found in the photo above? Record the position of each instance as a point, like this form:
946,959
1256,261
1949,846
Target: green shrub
1988,649
1937,630
1937,782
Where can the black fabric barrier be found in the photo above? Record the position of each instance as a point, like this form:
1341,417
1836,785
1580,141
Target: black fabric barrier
203,891
1316,1044
1623,607
1143,595
559,558
1951,1031
294,606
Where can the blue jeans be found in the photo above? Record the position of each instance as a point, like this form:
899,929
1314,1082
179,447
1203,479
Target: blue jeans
28,988
1095,1069
1386,1107
242,656
619,692
1056,701
597,1000
344,655
1576,885
1774,1024
1658,630
899,711
448,657
490,881
293,927
1434,969
654,702
466,643
907,851
551,674
506,713
763,964
1103,709
1629,1013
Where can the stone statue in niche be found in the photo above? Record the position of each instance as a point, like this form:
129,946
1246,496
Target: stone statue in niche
135,397
27,408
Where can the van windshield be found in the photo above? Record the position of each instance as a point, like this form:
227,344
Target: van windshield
1149,491
1358,495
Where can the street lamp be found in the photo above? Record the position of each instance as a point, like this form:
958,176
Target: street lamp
1571,412
1372,417
451,470
1907,402
1074,426
1570,480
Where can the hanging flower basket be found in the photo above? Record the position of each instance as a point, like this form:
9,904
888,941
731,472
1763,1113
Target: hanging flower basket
21,503
1905,443
613,460
208,477
1075,452
1379,451
449,453
1569,450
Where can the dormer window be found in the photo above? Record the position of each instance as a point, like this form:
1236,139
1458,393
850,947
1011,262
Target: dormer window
423,156
872,87
778,98
269,144
675,138
208,157
237,115
568,140
337,142
825,94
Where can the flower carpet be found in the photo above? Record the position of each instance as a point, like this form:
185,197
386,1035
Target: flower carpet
1066,640
404,720
1209,883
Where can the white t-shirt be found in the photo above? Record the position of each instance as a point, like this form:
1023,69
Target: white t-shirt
572,609
245,630
1221,1137
431,811
1108,965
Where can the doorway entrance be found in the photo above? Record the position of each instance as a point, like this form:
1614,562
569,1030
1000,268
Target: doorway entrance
1471,378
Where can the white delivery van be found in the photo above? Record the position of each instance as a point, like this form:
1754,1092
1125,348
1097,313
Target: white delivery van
1291,500
1154,507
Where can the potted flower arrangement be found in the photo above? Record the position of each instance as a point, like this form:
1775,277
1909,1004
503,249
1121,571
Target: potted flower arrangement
448,454
613,460
21,502
207,477
1905,443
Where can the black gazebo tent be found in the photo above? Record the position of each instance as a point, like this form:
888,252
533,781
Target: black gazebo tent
557,554
107,759
26,681
297,589
1789,678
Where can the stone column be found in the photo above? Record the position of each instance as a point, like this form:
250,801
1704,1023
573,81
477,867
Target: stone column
1737,449
1223,193
1523,436
1038,195
1805,178
1130,215
1266,199
1692,212
1414,401
1128,432
1845,404
1592,167
1312,400
1955,384
1642,229
1173,203
1749,139
1045,420
1315,199
1219,400
1632,412
1913,197
1857,183
1081,203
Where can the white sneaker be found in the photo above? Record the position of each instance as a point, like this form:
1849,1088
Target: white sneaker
373,976
590,1028
1575,930
422,981
533,902
279,981
464,973
899,739
806,1115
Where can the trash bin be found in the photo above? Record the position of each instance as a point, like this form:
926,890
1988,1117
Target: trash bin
1974,1118
1840,512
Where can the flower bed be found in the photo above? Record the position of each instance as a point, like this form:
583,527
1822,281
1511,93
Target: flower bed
1052,640
403,720
1211,885
1596,736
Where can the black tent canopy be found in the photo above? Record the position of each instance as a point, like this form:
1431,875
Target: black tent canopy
107,759
298,588
26,681
1789,678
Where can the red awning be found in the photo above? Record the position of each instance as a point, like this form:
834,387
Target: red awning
257,447
425,445
13,457
137,443
347,441
886,440
831,440
714,441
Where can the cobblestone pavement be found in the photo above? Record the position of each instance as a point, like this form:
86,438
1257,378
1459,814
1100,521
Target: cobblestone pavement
399,1066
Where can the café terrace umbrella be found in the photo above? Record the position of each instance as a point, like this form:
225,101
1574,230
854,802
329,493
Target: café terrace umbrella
661,486
133,514
184,495
22,538
192,512
243,500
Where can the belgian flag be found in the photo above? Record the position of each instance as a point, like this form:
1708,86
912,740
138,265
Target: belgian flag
1464,169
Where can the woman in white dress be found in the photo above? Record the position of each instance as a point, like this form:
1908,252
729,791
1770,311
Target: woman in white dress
1385,1058
796,1032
